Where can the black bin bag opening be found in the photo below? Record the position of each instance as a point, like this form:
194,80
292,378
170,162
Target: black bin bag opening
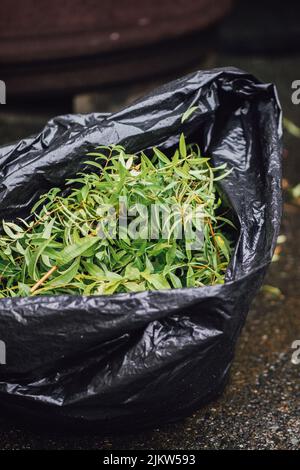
139,359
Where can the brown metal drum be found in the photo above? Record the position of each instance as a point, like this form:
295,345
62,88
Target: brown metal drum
74,44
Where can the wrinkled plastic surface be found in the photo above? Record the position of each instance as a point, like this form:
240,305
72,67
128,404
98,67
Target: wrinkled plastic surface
132,360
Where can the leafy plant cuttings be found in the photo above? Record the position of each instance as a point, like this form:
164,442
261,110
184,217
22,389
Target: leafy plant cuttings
272,292
291,127
281,239
59,250
294,194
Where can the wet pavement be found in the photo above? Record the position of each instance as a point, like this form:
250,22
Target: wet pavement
260,408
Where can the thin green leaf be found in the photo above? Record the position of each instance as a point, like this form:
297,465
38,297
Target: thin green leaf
187,114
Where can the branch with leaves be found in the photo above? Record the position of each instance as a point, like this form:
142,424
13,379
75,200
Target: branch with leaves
58,249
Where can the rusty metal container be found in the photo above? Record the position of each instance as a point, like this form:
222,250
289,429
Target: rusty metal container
72,45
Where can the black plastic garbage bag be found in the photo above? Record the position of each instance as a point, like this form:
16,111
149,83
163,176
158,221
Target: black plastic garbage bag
134,360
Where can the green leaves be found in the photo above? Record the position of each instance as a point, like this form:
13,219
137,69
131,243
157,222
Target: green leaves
74,250
291,127
33,259
182,146
223,245
12,230
176,282
161,156
188,113
60,250
157,281
66,276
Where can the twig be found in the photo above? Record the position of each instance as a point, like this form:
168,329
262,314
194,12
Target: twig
43,279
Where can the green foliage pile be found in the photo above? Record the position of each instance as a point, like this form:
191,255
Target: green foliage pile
59,251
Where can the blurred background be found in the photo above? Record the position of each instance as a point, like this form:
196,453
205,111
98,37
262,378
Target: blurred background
86,55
